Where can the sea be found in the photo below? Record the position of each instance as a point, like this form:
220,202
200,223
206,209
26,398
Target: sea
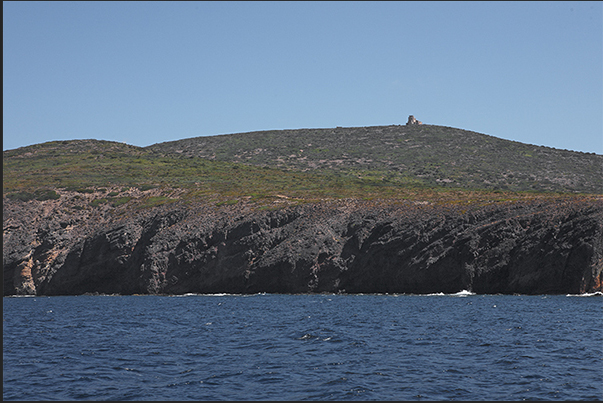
303,347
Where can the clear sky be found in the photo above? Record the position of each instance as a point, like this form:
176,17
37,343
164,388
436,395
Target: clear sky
148,72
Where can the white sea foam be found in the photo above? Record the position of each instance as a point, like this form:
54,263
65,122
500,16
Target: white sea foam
220,294
463,293
587,294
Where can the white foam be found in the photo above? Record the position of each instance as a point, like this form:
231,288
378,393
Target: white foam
221,294
463,293
587,294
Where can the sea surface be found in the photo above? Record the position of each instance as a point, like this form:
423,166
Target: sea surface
303,347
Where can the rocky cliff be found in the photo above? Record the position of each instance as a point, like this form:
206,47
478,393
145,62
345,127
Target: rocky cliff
530,247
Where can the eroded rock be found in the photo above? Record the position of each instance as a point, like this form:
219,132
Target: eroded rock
528,247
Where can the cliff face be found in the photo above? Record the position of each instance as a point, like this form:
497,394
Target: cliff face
348,246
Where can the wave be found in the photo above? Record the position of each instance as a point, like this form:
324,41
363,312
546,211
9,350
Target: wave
192,294
462,293
587,294
220,294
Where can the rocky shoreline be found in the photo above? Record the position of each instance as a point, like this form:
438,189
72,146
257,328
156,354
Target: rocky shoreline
542,246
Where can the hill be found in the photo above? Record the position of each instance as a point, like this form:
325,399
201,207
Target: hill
412,154
362,162
417,209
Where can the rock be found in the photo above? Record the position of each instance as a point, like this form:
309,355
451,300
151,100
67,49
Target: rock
528,247
413,121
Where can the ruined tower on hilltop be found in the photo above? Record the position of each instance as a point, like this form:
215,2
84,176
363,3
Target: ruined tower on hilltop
413,121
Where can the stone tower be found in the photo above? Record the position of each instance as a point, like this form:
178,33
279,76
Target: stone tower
413,121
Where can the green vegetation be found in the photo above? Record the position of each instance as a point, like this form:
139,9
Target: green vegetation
38,194
435,156
118,201
154,201
287,167
78,172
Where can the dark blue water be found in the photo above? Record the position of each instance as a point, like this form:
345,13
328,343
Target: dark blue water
303,347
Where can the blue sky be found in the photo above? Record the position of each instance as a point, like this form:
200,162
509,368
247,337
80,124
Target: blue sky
148,72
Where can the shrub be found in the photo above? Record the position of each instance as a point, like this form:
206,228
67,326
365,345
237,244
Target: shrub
46,194
146,187
227,203
98,202
120,200
155,201
40,195
23,196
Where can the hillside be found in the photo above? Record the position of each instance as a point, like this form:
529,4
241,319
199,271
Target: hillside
415,154
366,162
385,209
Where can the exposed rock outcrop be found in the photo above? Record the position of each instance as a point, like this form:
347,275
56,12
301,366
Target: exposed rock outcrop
413,121
345,246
